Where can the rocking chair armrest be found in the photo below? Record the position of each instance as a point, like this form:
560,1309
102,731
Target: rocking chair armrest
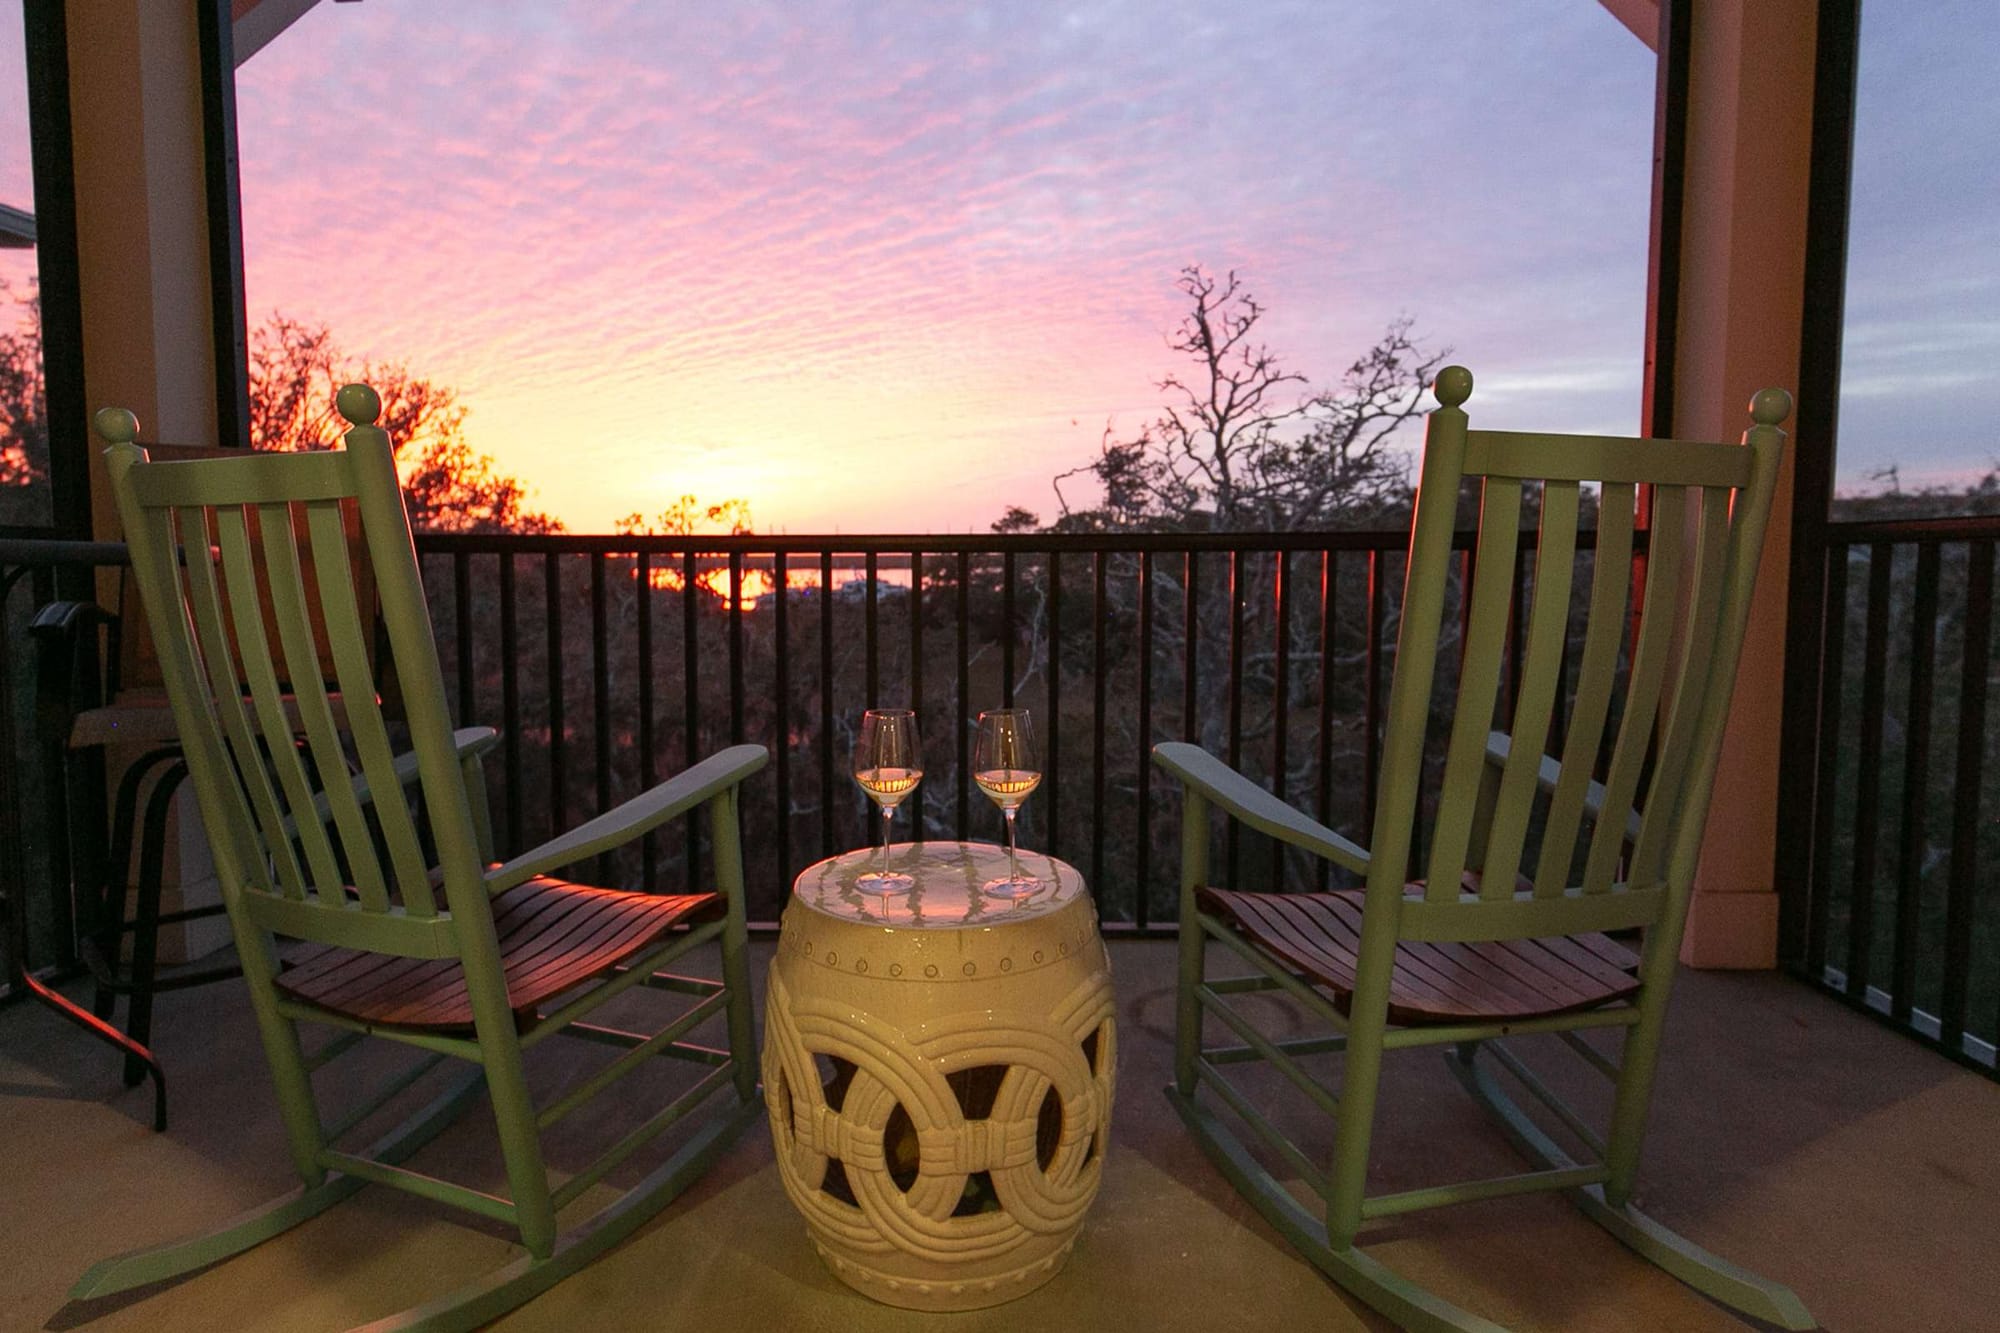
1248,803
470,742
1499,745
676,796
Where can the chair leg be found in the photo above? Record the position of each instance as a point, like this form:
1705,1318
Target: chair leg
1354,1126
107,930
725,838
515,1120
1193,943
1714,1277
157,1263
146,921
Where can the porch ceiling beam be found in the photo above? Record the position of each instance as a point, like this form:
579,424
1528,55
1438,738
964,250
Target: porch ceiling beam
1640,17
256,23
17,229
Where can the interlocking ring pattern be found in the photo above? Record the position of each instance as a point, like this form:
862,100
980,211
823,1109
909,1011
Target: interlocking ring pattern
910,1239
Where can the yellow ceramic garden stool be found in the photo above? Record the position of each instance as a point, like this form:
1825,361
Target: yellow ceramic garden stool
938,1066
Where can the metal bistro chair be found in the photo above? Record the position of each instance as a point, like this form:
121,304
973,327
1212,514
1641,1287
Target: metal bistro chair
1477,950
455,955
93,696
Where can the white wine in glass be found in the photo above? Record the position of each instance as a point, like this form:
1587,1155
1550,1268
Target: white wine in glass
888,765
1007,765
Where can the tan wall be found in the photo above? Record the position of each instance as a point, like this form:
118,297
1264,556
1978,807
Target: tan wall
1742,286
142,229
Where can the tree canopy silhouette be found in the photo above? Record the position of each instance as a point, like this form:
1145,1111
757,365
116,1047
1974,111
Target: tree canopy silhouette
295,368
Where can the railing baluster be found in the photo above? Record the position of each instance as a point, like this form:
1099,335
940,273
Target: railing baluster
461,625
1051,811
1826,782
1281,719
690,702
1861,903
1916,786
600,696
510,701
962,731
916,600
1961,886
1142,891
737,731
1329,582
870,646
1371,721
826,793
1190,633
552,626
1008,632
642,586
1099,613
781,742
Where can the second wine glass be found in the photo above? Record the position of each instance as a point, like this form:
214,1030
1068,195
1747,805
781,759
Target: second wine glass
1007,765
888,765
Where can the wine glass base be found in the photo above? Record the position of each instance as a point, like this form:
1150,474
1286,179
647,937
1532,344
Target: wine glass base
883,883
1010,886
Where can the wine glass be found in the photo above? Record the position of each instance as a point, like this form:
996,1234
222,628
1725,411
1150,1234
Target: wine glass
888,765
1007,765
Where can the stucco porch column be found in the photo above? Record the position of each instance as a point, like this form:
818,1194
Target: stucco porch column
1741,292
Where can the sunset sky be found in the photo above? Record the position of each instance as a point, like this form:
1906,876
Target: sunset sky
891,266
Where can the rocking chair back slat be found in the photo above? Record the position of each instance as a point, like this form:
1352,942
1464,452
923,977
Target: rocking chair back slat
294,617
257,798
245,607
1700,621
1479,677
1650,704
364,717
260,630
1634,739
1541,674
1597,669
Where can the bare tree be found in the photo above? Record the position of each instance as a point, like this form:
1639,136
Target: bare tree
1244,444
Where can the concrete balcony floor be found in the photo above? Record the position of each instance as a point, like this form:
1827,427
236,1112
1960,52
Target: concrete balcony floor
1789,1135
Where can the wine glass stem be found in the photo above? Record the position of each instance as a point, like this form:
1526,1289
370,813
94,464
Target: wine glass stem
888,818
1013,858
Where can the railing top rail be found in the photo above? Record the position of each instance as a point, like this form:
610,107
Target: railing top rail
489,543
53,551
1852,532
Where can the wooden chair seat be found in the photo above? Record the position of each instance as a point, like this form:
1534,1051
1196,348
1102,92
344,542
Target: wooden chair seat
1319,933
553,935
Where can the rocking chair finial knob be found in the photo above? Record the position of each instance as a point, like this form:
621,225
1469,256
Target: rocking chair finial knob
1770,407
359,404
115,425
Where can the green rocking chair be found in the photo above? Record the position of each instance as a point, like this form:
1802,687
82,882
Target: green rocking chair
1489,944
452,953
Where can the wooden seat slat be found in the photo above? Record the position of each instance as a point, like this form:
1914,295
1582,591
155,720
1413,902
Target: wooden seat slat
1318,934
554,935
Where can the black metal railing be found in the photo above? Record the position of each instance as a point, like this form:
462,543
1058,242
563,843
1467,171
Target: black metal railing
608,662
1902,888
34,849
604,672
